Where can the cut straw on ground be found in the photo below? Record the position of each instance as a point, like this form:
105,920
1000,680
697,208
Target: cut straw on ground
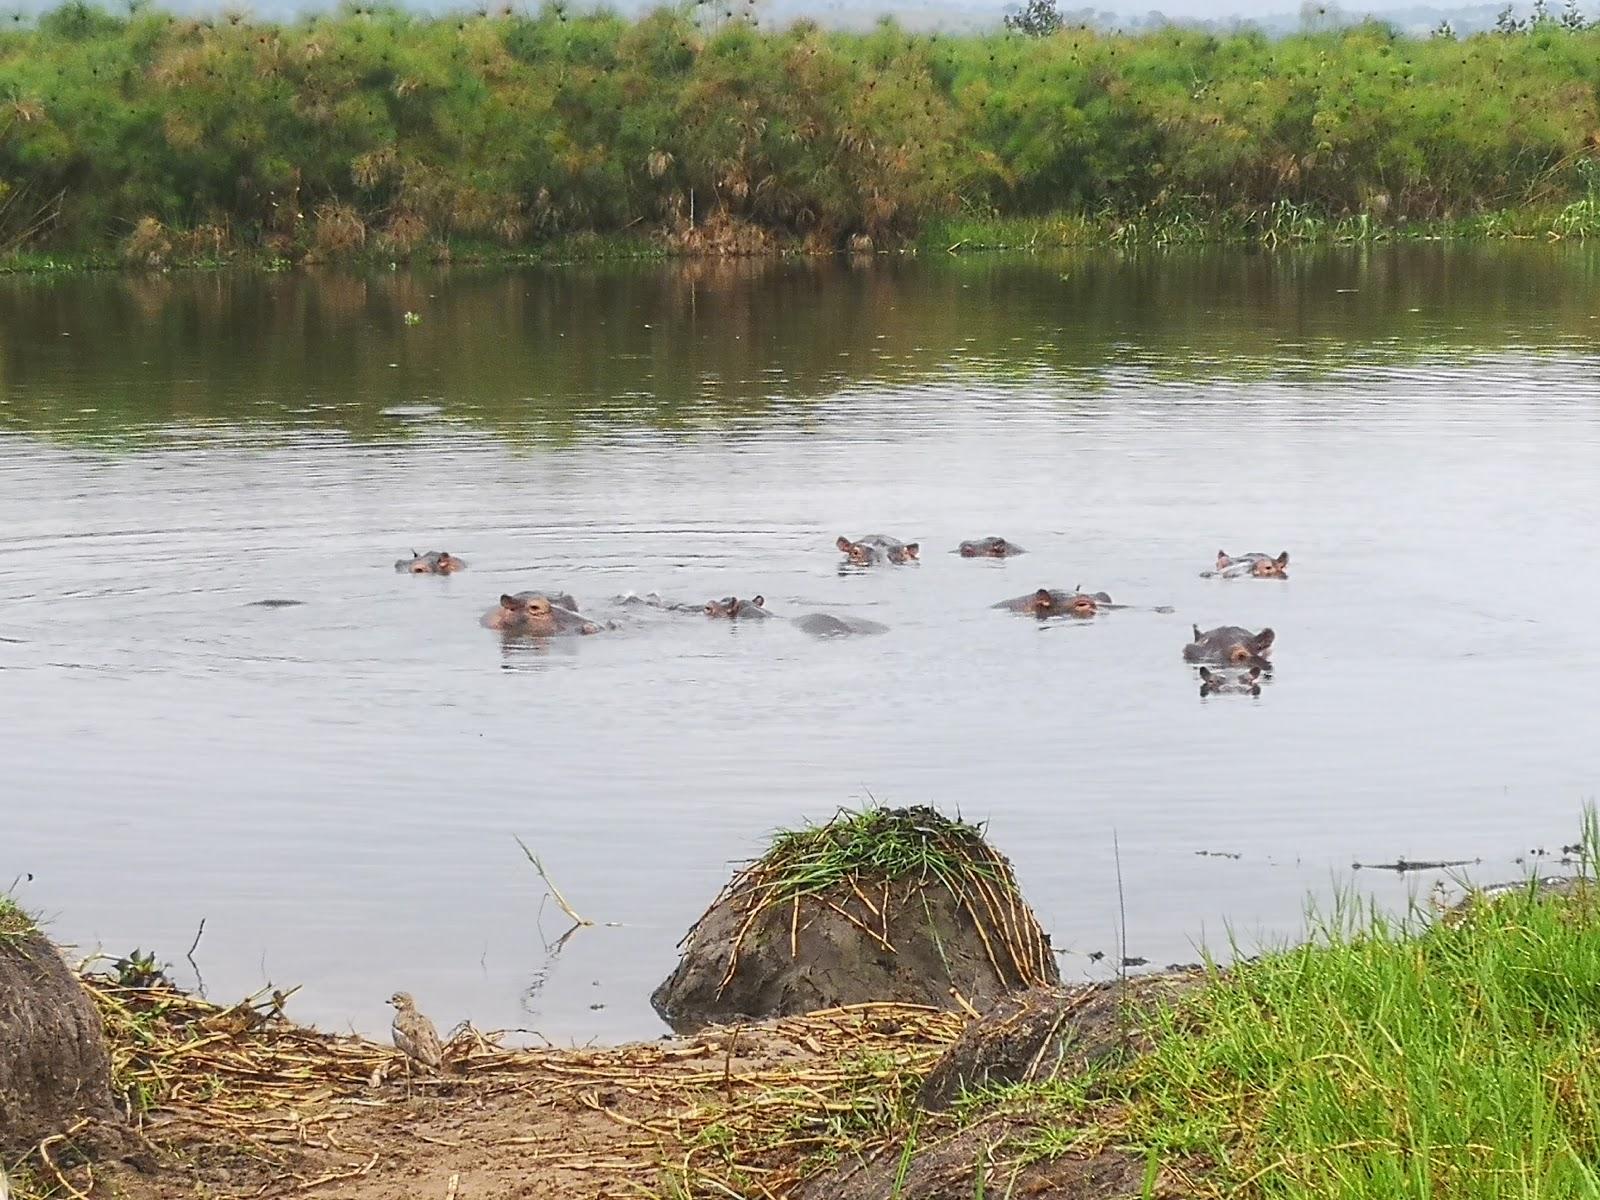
203,1081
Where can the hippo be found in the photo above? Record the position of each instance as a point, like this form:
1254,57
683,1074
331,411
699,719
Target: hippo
826,625
1230,646
875,548
989,547
536,614
736,609
435,562
1247,683
1257,566
1047,602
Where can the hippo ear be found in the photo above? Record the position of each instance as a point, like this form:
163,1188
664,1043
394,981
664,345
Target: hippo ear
1255,672
844,543
1205,674
1283,559
507,601
1264,639
1043,596
759,602
1223,561
1102,598
1196,629
912,548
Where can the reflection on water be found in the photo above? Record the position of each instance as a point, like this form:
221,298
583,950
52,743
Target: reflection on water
335,785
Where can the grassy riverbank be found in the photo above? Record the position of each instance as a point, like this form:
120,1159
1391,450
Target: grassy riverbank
375,133
1376,1061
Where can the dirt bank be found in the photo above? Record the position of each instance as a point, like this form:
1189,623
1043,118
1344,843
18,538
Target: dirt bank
238,1101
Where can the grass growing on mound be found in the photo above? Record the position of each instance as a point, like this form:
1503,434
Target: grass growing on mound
878,845
1385,1058
14,921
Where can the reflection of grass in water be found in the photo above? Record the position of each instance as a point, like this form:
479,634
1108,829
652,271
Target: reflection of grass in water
549,356
1386,1057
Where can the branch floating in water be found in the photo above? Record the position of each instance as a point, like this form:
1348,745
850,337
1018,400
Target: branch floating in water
561,900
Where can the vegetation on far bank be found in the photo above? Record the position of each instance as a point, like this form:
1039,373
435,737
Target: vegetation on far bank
378,133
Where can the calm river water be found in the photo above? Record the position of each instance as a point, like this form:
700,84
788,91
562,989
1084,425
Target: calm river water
334,787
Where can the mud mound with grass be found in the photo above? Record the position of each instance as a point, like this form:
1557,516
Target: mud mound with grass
1040,1034
55,1072
982,1160
902,905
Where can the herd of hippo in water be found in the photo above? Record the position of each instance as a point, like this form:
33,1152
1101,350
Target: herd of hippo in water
1231,659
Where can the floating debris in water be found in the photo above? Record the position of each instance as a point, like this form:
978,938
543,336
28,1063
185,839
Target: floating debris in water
1402,865
412,318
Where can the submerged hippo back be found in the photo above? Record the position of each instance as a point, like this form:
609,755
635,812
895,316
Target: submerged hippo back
828,625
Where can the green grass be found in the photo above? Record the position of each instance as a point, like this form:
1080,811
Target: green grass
877,845
14,921
1385,1058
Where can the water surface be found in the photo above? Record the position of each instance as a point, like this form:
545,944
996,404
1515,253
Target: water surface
334,787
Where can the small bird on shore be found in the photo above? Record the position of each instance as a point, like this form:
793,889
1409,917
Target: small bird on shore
414,1034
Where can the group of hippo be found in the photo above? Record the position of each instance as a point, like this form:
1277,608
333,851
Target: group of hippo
1231,659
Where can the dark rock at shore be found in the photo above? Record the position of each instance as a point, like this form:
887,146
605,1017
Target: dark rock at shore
55,1069
1045,1032
762,952
949,1169
1026,1037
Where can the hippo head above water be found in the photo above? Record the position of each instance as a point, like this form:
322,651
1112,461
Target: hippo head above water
1259,566
734,608
1246,683
875,547
989,547
435,562
1230,646
1047,602
535,614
